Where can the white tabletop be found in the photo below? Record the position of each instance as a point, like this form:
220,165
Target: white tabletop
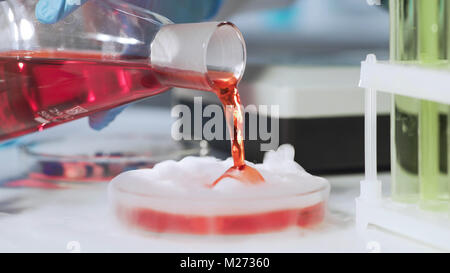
39,220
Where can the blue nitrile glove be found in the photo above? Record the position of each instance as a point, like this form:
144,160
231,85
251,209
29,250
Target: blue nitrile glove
100,120
51,11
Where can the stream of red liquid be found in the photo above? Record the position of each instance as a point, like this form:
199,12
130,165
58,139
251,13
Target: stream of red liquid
226,89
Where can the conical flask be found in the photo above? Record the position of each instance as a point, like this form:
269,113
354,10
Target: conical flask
105,54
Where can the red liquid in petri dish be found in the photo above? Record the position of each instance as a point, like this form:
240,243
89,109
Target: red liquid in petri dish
157,221
245,224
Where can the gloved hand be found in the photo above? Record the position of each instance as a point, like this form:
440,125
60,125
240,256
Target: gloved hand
51,11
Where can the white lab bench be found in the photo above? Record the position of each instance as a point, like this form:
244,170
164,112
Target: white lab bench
38,220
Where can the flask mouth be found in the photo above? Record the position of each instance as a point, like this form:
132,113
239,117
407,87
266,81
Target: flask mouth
225,52
215,51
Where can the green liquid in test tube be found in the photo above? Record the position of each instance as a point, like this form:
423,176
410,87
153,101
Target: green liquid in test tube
419,128
431,49
405,110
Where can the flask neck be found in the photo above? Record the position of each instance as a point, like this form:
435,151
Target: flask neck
198,55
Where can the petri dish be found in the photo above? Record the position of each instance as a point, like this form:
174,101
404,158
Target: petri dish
79,160
145,211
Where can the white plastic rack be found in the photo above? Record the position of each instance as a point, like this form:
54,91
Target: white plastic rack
379,213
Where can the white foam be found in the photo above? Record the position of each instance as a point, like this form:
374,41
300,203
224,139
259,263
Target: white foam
183,186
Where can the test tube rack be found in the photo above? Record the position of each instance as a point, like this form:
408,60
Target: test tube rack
374,211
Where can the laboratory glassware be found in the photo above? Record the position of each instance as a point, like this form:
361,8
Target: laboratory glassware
105,54
139,206
419,127
75,160
405,110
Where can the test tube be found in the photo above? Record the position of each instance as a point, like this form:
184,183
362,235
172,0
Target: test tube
432,35
419,136
405,110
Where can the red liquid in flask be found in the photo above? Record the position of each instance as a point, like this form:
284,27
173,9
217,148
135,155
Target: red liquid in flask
40,89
